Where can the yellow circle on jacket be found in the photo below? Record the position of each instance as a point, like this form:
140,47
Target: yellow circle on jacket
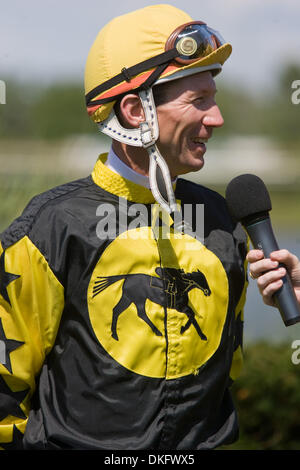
158,307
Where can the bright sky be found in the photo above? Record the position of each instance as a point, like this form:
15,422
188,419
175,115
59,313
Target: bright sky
50,39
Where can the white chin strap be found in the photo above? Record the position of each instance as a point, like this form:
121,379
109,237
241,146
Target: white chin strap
146,136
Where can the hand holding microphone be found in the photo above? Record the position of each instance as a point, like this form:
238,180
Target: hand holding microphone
269,272
249,202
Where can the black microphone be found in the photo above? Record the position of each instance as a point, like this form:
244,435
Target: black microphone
249,202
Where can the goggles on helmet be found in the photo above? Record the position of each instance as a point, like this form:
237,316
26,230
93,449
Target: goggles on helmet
187,44
193,41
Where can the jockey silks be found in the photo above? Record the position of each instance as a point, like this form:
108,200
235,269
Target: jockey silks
128,341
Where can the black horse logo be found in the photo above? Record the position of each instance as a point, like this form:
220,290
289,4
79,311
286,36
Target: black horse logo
170,290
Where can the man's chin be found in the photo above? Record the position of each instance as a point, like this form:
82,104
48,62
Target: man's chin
195,165
188,169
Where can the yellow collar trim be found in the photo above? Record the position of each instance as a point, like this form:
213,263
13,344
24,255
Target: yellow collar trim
116,184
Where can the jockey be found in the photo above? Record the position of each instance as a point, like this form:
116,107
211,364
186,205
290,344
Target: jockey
119,327
140,62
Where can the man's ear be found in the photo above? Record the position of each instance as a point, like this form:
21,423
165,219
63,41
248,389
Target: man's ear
131,111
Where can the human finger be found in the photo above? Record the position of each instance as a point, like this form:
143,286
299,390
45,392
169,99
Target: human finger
254,255
269,283
269,291
270,277
257,268
285,257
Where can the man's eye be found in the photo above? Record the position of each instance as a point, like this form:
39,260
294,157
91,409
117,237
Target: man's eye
199,100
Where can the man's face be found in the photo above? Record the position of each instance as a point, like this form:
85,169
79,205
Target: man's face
186,121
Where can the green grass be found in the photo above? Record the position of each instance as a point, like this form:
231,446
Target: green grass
267,396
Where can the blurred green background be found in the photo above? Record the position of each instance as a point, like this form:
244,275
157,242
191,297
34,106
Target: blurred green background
46,139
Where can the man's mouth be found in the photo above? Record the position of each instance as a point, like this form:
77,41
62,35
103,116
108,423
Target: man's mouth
199,140
198,144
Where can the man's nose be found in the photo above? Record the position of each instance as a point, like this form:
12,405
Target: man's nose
213,117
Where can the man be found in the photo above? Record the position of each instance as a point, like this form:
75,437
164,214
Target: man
121,314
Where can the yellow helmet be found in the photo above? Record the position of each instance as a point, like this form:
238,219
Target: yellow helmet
142,48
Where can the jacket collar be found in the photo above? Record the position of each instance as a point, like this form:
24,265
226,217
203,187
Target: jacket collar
116,184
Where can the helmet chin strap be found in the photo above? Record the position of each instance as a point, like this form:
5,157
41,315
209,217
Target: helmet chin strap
146,136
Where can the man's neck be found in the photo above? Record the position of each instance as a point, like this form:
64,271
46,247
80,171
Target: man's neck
134,157
130,162
115,164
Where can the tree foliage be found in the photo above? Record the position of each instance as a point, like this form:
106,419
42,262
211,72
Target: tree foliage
54,112
57,111
267,396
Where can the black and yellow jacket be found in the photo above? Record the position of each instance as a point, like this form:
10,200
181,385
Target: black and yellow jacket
123,342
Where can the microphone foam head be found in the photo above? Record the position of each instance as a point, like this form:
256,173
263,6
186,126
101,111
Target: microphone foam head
246,196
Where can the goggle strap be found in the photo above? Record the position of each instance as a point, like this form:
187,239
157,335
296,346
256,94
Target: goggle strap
156,61
147,84
154,77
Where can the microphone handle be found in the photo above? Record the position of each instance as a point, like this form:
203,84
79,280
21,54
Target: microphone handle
262,237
